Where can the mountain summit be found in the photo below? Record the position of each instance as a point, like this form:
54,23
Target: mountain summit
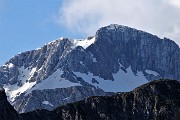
116,59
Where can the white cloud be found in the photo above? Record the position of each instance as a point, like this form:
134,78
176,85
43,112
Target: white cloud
160,17
174,34
175,2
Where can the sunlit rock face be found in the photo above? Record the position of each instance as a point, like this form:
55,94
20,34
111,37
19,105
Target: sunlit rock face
116,59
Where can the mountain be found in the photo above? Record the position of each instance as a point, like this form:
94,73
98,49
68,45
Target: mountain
156,100
116,59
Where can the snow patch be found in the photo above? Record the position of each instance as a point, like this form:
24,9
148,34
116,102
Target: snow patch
10,65
38,48
84,43
22,85
61,38
25,74
54,81
112,26
25,86
115,26
47,103
152,72
66,98
94,59
123,82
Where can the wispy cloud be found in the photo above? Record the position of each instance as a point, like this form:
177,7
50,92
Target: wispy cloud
160,17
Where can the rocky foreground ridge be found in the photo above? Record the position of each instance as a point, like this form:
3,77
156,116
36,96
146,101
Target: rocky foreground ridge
157,100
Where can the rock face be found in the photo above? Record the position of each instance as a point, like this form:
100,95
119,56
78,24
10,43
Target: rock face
130,47
157,100
117,59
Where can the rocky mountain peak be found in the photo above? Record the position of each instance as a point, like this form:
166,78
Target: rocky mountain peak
136,48
130,34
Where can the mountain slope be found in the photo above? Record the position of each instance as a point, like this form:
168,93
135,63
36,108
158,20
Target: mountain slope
117,59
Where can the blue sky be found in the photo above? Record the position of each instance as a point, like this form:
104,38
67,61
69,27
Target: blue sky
28,24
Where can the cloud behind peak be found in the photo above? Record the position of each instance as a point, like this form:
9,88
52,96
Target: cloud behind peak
160,17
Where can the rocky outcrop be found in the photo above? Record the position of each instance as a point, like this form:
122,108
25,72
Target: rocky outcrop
117,59
157,100
7,112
